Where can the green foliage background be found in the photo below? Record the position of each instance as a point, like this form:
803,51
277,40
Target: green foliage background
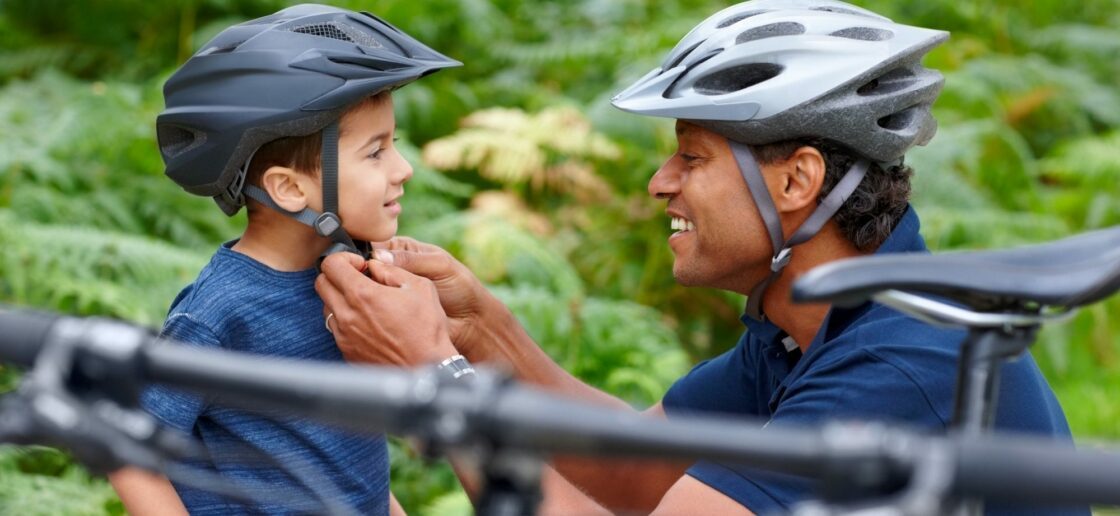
554,215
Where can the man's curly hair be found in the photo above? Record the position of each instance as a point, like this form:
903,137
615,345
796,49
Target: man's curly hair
872,211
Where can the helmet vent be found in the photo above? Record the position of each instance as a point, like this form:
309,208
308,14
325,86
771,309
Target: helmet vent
228,49
864,34
898,121
174,140
681,57
834,9
890,82
771,31
323,30
736,19
338,31
736,78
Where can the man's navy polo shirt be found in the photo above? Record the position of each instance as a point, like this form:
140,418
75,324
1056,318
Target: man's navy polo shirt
869,362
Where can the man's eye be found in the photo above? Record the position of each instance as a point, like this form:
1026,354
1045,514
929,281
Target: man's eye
689,158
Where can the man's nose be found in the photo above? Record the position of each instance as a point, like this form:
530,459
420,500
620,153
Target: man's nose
665,183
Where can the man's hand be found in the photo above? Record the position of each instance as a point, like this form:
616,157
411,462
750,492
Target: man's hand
393,319
460,293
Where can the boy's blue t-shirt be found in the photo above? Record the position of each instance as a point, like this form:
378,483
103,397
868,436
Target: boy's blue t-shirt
242,305
870,362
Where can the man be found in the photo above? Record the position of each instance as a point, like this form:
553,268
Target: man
792,120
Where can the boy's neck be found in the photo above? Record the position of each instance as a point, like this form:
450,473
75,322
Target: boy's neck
280,242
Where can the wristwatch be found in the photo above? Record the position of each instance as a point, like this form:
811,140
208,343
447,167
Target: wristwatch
456,367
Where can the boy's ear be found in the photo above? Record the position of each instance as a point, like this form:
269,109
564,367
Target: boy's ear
800,180
290,189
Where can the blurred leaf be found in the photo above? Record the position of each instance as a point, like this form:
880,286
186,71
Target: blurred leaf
976,163
546,151
450,504
91,272
1083,176
63,490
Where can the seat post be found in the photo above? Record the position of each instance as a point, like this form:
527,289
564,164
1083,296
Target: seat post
982,355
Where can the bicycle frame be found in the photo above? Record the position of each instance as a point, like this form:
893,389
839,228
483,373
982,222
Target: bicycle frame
523,424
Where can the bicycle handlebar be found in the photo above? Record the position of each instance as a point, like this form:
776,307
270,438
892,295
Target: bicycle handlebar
24,333
506,415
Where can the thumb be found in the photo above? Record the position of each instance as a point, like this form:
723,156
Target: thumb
429,265
388,275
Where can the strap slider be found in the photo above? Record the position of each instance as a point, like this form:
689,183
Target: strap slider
781,260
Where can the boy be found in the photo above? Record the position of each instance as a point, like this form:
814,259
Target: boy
293,111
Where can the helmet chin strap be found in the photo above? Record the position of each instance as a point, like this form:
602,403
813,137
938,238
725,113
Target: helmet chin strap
327,224
783,249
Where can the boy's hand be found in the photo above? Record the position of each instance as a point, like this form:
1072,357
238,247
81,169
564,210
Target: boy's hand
460,293
396,319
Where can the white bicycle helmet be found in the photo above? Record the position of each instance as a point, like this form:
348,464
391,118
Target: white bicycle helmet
766,71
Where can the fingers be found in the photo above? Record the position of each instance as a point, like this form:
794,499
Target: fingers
388,275
398,242
403,243
341,283
429,265
383,255
411,244
342,268
334,302
331,293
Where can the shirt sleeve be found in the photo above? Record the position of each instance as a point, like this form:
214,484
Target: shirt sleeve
172,407
726,384
857,385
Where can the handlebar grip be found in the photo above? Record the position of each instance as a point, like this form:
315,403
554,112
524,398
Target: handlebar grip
1034,471
22,333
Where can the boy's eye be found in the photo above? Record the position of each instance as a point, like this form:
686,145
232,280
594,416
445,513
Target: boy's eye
376,153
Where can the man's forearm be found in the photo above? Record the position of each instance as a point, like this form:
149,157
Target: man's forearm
560,496
578,482
500,340
622,485
617,484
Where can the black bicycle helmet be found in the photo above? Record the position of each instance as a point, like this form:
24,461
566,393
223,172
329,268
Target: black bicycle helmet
765,71
288,74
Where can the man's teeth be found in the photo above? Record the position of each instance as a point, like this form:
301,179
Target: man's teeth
680,224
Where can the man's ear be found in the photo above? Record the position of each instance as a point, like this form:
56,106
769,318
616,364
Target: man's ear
290,189
801,180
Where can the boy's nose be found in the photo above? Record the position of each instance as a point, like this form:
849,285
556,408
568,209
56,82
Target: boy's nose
404,171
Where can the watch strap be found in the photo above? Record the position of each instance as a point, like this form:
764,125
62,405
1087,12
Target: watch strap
456,367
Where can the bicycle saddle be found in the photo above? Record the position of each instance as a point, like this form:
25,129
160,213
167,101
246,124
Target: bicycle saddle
1074,271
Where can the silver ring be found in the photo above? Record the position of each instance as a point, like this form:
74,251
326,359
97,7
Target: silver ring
327,323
